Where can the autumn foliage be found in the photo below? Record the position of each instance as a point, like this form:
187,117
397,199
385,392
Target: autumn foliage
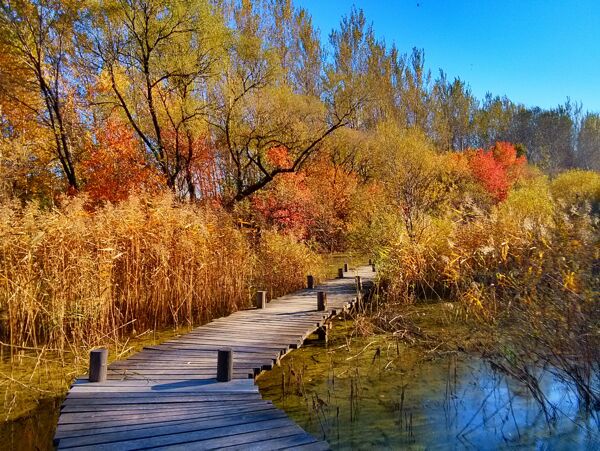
312,204
497,168
115,166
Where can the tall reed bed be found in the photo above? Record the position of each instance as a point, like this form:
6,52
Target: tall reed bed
284,263
71,279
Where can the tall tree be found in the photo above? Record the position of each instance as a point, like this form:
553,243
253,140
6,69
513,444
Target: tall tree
39,35
156,59
588,142
416,92
492,120
452,115
290,32
351,45
255,110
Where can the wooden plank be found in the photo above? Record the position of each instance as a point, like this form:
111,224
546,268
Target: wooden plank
285,442
83,419
198,386
132,408
230,341
168,433
118,402
246,440
201,419
163,378
215,347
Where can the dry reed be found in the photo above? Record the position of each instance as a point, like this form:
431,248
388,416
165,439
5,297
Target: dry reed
71,279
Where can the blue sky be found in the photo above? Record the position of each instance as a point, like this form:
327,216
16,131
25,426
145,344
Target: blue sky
536,52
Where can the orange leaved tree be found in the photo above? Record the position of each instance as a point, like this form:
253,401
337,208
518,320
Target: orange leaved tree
497,168
116,166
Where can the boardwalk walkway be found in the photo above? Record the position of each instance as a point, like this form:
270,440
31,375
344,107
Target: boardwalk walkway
167,397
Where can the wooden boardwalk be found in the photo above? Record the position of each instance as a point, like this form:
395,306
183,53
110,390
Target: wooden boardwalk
167,396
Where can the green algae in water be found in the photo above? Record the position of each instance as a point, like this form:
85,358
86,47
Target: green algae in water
377,393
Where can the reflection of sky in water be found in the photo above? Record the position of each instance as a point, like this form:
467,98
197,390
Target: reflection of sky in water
485,410
448,404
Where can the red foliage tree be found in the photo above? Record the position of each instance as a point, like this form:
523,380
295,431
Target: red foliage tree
313,203
286,203
497,168
115,166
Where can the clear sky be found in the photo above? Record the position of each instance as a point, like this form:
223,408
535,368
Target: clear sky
537,52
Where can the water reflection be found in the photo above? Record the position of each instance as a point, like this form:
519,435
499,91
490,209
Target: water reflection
381,395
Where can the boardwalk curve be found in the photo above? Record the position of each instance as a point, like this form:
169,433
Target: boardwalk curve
167,397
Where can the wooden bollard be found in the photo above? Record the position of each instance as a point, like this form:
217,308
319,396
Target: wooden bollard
261,299
224,365
373,266
358,283
370,262
310,282
321,301
345,267
340,273
98,361
322,333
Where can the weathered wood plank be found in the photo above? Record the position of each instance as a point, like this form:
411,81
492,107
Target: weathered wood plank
126,425
286,442
133,408
84,420
246,439
168,433
198,386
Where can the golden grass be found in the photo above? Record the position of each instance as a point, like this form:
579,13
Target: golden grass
71,279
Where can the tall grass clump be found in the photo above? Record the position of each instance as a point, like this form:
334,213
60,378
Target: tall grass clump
71,278
283,263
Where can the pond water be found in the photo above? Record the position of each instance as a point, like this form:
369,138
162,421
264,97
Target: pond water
377,393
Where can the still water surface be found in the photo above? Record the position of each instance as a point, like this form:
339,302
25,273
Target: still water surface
375,393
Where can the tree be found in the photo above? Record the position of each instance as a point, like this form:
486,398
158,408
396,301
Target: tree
492,121
39,35
416,90
155,58
255,110
588,142
115,166
289,31
453,109
548,135
497,169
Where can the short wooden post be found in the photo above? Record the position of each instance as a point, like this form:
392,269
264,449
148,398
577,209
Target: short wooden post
310,282
358,283
261,299
322,333
345,267
340,273
98,363
224,365
321,301
370,262
373,267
